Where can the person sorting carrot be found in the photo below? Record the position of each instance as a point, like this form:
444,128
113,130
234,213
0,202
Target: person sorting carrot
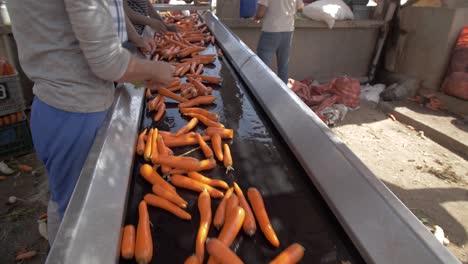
72,52
141,13
277,32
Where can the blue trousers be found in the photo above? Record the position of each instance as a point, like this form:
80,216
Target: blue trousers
62,141
278,43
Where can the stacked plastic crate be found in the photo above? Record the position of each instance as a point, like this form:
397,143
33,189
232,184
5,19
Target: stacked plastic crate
15,136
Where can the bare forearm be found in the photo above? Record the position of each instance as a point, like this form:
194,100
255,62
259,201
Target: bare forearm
135,17
140,70
133,36
152,12
261,10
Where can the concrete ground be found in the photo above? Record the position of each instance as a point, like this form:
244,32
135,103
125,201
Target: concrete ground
429,179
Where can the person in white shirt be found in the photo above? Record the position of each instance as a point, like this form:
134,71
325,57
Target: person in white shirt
277,32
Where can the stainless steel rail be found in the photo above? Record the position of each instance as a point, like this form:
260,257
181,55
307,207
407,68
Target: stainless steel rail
93,220
380,226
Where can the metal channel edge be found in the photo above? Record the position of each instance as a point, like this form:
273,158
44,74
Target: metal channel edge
95,215
378,223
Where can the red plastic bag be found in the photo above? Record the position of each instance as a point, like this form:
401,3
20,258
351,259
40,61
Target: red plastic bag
456,84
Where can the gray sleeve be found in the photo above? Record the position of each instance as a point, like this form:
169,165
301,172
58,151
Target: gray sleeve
94,28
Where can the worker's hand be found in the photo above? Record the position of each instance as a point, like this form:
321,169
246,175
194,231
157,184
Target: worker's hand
158,26
172,28
162,76
146,45
255,20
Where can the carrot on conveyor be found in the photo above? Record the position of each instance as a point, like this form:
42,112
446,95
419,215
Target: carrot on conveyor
160,113
200,111
170,196
217,147
178,171
150,175
290,255
231,203
127,246
207,164
221,253
205,78
182,141
199,69
144,241
220,214
189,126
164,204
204,207
165,92
163,150
212,182
223,132
192,260
154,146
227,159
147,153
205,99
249,226
205,120
140,149
204,147
201,88
261,215
191,184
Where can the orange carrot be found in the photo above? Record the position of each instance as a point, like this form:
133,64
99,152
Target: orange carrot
140,149
150,175
154,146
170,196
216,143
167,93
127,248
191,184
163,150
182,141
185,70
181,162
202,89
190,125
25,255
178,171
205,120
199,69
205,78
153,104
206,99
231,203
223,132
227,160
221,253
192,260
220,214
204,207
160,113
25,168
207,164
291,255
261,215
204,147
200,111
147,153
212,182
144,241
164,204
249,225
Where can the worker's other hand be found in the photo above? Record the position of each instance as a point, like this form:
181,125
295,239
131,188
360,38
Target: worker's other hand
146,45
162,76
172,28
158,26
255,20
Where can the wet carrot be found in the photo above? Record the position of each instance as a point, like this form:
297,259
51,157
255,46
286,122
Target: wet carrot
170,196
193,68
205,120
150,175
154,146
216,143
181,162
249,226
140,149
127,246
230,229
227,160
191,184
144,241
189,126
221,253
290,255
164,204
231,203
261,215
163,150
204,207
204,147
223,132
182,141
199,69
205,78
200,111
160,113
220,214
207,164
185,69
212,182
178,171
147,153
165,92
201,88
206,99
192,260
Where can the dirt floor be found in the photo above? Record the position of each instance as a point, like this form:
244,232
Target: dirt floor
429,179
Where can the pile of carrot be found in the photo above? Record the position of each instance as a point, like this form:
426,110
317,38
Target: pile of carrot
236,210
11,118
